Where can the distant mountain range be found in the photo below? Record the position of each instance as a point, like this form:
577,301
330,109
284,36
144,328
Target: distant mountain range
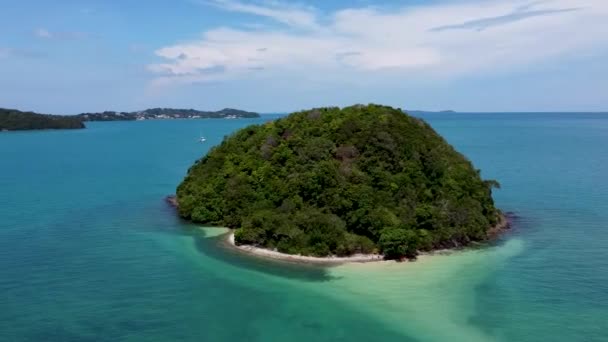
168,113
13,120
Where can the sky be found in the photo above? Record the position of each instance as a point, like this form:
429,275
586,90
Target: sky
73,56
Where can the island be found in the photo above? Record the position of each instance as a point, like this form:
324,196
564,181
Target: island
168,113
418,112
337,182
15,120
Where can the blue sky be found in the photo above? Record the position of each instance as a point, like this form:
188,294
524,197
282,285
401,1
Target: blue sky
71,56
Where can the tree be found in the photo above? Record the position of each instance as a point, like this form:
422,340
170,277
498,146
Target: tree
398,243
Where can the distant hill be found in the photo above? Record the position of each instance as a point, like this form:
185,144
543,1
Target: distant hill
168,113
15,120
430,111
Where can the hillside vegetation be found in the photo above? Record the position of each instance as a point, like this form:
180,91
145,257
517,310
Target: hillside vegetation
14,120
336,181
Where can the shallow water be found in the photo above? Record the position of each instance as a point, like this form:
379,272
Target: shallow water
90,251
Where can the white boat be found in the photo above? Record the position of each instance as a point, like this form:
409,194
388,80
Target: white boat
202,139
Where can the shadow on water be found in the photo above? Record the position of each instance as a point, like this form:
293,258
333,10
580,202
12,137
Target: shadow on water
488,289
517,224
161,218
216,247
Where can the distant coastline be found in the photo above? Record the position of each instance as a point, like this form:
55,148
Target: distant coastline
168,114
503,225
16,120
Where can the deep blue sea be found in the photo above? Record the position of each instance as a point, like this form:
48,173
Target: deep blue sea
89,251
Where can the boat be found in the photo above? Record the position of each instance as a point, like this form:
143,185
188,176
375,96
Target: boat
202,139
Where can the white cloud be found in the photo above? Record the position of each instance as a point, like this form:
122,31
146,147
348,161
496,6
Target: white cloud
5,52
43,33
286,14
8,52
430,41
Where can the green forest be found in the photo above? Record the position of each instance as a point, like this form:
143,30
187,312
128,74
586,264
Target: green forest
15,120
331,181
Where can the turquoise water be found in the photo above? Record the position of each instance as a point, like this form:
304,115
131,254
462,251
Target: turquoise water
90,251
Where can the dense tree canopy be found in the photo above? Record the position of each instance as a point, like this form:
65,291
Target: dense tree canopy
12,120
341,181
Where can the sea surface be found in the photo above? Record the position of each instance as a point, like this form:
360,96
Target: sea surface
89,250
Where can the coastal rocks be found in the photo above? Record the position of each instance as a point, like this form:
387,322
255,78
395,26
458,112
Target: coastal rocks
511,217
172,201
503,225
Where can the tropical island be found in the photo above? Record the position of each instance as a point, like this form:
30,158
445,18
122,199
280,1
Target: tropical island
168,113
337,182
15,120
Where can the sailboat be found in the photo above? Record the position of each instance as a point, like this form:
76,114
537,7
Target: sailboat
202,139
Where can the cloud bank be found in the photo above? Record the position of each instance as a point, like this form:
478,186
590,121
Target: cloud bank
438,41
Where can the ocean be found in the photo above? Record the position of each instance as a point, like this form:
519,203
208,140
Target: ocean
90,251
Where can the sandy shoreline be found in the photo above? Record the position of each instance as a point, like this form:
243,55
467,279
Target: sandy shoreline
273,254
503,225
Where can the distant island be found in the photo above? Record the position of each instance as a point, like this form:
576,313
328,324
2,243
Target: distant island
447,111
15,120
368,180
168,113
12,119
